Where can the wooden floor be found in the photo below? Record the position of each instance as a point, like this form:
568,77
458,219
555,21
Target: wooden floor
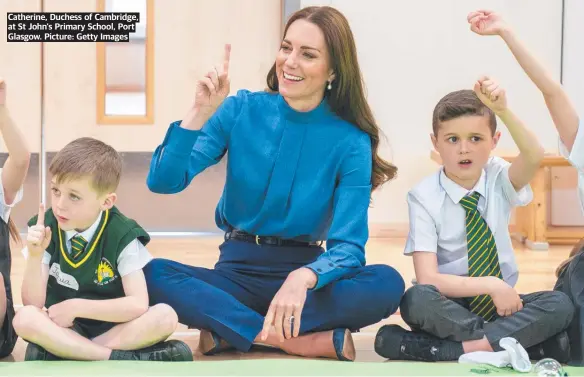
536,273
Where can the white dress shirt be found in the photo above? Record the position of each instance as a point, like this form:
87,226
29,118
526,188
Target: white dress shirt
437,220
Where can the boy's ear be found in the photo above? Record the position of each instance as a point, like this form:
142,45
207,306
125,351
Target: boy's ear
496,138
109,201
434,140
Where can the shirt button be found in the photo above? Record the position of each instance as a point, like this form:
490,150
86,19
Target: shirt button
331,265
319,269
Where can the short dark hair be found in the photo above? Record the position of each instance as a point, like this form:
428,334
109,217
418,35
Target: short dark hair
458,104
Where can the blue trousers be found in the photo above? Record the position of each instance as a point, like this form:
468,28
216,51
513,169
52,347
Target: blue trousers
233,298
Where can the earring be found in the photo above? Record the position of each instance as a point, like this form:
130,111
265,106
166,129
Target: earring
329,87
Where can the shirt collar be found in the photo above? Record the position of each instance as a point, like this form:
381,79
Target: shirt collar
322,111
88,233
457,192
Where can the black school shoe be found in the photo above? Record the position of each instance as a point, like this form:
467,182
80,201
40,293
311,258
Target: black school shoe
396,343
34,352
557,347
171,350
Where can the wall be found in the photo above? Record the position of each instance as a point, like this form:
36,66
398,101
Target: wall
189,39
565,211
411,58
574,52
20,67
184,51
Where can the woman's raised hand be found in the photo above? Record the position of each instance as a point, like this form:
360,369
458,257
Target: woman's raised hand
213,88
210,92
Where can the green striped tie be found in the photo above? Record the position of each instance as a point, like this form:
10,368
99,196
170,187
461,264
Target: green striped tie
78,244
482,254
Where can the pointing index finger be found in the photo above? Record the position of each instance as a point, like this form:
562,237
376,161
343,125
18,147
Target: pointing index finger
41,216
226,58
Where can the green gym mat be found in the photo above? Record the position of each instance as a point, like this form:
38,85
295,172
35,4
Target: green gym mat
259,367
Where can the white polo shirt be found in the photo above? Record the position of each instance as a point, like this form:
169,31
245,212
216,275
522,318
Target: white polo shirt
437,220
576,158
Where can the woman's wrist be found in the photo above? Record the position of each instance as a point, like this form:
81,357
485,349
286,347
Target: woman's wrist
195,119
307,276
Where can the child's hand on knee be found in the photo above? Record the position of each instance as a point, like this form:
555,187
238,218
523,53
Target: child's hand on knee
506,299
63,313
39,236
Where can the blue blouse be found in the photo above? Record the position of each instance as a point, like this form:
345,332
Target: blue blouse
298,175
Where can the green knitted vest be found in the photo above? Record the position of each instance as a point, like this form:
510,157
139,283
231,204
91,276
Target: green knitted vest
92,274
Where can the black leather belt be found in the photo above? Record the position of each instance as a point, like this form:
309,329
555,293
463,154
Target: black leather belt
266,240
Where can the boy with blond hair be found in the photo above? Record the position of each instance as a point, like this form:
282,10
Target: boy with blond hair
84,264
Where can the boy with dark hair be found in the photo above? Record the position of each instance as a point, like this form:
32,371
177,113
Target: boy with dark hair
464,299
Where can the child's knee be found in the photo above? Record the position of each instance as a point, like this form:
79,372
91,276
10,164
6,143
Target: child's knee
26,321
415,300
164,317
563,307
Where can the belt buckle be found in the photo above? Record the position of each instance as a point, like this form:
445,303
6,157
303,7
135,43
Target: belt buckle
257,239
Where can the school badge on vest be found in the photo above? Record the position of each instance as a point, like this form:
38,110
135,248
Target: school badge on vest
105,273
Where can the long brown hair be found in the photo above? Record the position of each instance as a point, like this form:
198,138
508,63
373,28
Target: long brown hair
578,248
346,98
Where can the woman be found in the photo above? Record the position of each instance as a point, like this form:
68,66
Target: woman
12,176
301,166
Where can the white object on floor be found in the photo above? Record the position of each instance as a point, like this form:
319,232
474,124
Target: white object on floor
514,355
